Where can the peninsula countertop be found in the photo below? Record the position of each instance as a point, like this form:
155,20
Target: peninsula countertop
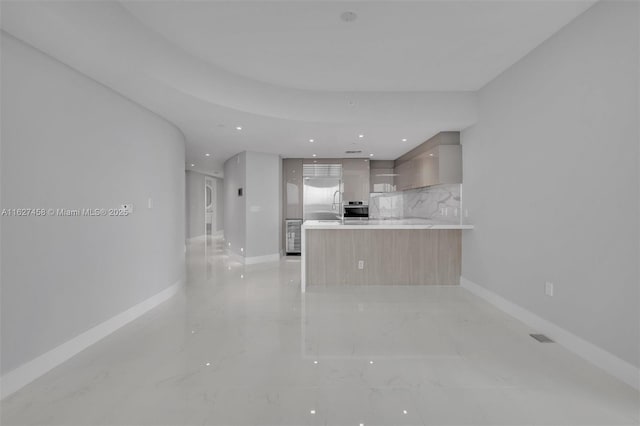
413,223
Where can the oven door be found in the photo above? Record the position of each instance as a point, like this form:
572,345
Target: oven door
358,211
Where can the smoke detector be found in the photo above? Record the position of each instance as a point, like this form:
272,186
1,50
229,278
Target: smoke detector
348,16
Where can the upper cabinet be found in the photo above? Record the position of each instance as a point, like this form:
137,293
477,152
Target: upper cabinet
406,175
437,161
292,187
381,176
355,179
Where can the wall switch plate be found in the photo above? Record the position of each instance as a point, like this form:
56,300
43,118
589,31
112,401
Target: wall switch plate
360,264
150,203
548,288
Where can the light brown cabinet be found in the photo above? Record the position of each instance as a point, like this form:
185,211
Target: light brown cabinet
405,178
437,161
381,176
292,187
355,179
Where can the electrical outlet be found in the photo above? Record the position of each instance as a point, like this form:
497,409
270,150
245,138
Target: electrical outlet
548,288
360,264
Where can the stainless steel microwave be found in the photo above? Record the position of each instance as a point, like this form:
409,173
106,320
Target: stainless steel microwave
356,209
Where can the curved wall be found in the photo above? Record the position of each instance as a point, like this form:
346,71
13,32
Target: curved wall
68,142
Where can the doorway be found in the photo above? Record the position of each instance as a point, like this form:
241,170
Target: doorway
210,205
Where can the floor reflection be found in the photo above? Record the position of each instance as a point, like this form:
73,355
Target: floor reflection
242,346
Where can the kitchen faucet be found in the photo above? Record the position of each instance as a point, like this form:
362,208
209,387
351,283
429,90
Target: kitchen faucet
334,204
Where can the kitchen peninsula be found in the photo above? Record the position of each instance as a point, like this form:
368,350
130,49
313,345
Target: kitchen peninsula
359,221
381,252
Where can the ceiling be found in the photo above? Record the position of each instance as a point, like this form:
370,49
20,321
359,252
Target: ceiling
287,72
391,46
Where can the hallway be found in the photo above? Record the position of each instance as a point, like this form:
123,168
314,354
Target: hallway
241,347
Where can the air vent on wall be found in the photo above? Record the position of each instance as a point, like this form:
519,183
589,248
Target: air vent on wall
541,338
322,170
354,152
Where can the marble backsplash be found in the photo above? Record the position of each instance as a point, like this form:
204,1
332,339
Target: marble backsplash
440,202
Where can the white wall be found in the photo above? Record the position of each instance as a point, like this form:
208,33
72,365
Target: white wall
195,214
252,222
69,142
263,204
551,181
195,204
234,205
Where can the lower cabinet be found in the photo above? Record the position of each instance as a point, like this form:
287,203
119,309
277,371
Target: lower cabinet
344,257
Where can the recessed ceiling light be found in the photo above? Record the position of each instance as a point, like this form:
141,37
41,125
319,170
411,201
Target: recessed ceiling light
207,155
370,155
404,139
238,127
208,364
315,362
312,411
311,140
404,411
371,362
313,155
193,165
361,136
430,155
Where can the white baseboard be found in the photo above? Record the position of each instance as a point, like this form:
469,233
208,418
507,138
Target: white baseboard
214,234
610,363
28,372
275,257
234,256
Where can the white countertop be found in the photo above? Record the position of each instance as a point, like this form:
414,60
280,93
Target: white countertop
382,224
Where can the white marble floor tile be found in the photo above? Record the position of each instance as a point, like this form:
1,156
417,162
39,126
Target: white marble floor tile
242,346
